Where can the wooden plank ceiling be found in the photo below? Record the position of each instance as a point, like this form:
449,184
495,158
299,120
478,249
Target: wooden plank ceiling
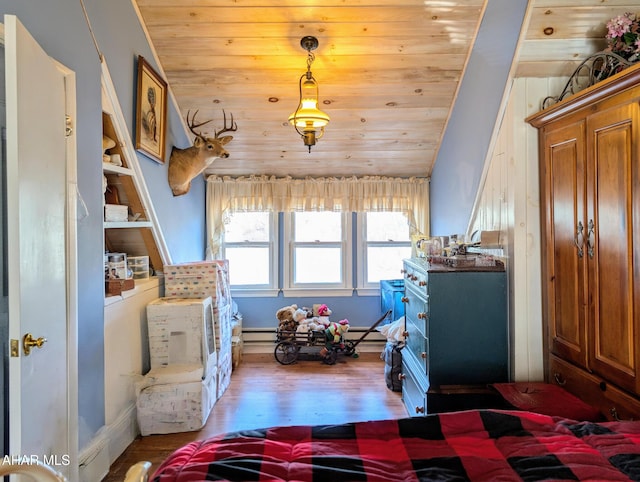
388,72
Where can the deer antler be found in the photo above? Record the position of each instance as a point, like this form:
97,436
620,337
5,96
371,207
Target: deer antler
233,127
192,125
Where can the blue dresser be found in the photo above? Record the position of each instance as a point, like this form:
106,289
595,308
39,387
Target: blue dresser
456,330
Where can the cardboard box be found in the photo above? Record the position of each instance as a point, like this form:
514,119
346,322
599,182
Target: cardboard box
236,351
225,367
181,331
198,280
171,401
116,213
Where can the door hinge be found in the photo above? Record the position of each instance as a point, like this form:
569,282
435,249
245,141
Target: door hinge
15,348
68,126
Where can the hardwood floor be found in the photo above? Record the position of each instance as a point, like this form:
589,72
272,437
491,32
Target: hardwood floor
263,393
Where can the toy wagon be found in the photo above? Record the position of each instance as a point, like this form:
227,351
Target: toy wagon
290,344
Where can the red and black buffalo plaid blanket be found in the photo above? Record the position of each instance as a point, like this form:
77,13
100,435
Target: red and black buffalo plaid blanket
478,445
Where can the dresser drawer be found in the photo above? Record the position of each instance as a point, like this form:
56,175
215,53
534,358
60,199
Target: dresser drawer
414,392
415,276
416,345
416,309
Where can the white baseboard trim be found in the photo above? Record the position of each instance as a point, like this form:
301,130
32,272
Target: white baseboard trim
94,459
108,444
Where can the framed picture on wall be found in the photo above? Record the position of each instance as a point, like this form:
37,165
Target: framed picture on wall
151,112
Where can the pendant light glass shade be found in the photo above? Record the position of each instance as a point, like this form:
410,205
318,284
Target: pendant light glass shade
308,120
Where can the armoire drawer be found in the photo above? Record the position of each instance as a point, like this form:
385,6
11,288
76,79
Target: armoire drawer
613,403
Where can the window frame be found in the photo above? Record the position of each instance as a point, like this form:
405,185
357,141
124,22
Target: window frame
364,287
345,288
270,289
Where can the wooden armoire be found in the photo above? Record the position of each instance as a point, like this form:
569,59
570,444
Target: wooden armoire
589,148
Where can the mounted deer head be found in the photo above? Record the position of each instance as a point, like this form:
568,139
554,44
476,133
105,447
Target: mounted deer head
185,164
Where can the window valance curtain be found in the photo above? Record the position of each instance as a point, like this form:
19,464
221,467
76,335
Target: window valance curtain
351,194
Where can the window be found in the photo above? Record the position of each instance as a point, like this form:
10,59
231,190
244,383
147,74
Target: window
319,251
316,249
385,243
249,245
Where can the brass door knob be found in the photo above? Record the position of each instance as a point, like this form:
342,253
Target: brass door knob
29,342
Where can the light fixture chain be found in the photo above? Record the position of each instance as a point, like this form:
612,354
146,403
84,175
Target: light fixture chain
310,59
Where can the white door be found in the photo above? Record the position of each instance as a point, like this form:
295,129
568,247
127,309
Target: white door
41,253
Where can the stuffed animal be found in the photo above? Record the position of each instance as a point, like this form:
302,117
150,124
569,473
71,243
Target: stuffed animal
335,330
285,316
321,310
299,315
302,321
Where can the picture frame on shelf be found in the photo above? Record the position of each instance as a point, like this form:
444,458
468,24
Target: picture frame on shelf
151,112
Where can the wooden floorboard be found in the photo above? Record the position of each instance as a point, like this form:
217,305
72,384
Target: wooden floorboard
264,393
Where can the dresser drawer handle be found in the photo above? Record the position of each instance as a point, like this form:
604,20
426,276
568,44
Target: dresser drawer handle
423,355
422,316
404,299
405,334
413,277
559,379
422,283
419,409
401,376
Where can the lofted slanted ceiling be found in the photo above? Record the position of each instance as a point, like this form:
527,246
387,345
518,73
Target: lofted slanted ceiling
388,72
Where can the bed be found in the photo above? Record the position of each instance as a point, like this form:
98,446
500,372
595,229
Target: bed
473,445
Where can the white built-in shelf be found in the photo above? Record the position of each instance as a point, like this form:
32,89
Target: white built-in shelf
113,169
127,224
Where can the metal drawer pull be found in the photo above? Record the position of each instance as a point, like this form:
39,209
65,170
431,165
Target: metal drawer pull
422,315
419,409
559,379
422,283
401,376
404,299
405,334
579,239
423,355
614,413
590,242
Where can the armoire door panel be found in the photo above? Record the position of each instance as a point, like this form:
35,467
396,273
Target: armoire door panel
611,262
566,242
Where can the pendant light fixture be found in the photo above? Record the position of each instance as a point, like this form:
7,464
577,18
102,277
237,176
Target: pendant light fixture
308,120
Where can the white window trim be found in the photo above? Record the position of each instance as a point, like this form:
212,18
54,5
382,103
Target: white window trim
271,289
343,289
365,288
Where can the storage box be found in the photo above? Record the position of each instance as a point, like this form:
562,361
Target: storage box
116,213
174,399
115,287
139,266
236,351
198,280
225,367
181,331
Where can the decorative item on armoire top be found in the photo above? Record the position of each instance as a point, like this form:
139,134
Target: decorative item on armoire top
623,36
623,50
151,112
